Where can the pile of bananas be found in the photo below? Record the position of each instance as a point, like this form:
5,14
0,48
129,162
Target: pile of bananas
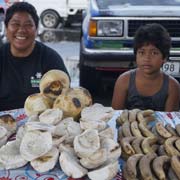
150,149
152,167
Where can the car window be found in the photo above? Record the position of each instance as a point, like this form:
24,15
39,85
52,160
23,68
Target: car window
105,4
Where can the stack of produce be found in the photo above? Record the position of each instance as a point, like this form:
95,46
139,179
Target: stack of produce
150,149
64,127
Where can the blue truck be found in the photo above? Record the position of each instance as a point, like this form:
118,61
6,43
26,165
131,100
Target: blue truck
108,28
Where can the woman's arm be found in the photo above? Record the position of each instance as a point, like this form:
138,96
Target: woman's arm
173,100
120,91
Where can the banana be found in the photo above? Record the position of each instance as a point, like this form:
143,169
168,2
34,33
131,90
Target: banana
149,118
126,175
177,144
124,116
120,135
170,148
136,144
147,144
171,129
126,146
126,131
133,114
135,129
158,165
175,164
178,129
140,117
155,147
171,174
148,112
145,131
131,166
161,140
119,121
162,131
145,166
161,151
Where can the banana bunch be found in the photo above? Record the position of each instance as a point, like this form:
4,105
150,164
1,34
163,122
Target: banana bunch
168,138
134,134
142,116
151,150
152,167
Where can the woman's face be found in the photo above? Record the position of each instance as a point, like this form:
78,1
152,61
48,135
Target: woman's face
149,58
21,33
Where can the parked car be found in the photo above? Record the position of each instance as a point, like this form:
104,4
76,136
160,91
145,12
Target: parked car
57,13
106,47
4,4
54,35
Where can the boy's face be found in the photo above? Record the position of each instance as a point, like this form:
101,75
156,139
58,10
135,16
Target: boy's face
149,58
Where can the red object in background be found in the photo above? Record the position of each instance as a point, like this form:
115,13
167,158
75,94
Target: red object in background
70,178
5,178
10,2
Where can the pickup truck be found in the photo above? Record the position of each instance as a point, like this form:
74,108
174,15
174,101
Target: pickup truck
57,13
108,28
4,4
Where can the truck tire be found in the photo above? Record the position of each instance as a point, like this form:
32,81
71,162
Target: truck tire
51,19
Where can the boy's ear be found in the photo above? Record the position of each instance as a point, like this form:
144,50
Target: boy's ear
164,61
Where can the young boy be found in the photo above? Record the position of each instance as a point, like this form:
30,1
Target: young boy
147,87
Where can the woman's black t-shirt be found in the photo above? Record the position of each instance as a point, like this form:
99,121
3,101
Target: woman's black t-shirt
20,77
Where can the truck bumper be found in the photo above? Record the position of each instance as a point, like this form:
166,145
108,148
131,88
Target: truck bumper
108,58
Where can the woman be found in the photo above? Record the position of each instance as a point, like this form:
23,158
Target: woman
23,60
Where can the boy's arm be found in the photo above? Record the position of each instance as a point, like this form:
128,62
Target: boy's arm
173,100
120,92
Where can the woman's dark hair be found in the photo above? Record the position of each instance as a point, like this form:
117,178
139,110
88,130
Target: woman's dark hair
154,34
21,7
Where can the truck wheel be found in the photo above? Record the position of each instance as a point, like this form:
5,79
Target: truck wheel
50,19
48,36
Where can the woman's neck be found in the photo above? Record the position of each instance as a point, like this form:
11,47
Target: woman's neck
23,52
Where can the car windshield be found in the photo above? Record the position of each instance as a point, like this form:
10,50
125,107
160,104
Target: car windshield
104,4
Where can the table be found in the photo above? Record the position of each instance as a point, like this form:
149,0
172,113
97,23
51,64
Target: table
28,173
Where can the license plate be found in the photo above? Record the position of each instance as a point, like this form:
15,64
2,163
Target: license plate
171,67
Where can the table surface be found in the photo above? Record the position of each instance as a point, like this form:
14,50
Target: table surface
28,173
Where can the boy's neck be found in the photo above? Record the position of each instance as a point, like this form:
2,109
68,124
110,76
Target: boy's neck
152,76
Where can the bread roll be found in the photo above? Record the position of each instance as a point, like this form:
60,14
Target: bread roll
53,82
36,104
82,94
70,106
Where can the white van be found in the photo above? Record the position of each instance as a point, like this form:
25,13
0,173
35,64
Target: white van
55,13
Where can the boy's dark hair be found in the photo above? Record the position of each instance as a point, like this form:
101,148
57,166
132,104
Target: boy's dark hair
21,7
154,34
